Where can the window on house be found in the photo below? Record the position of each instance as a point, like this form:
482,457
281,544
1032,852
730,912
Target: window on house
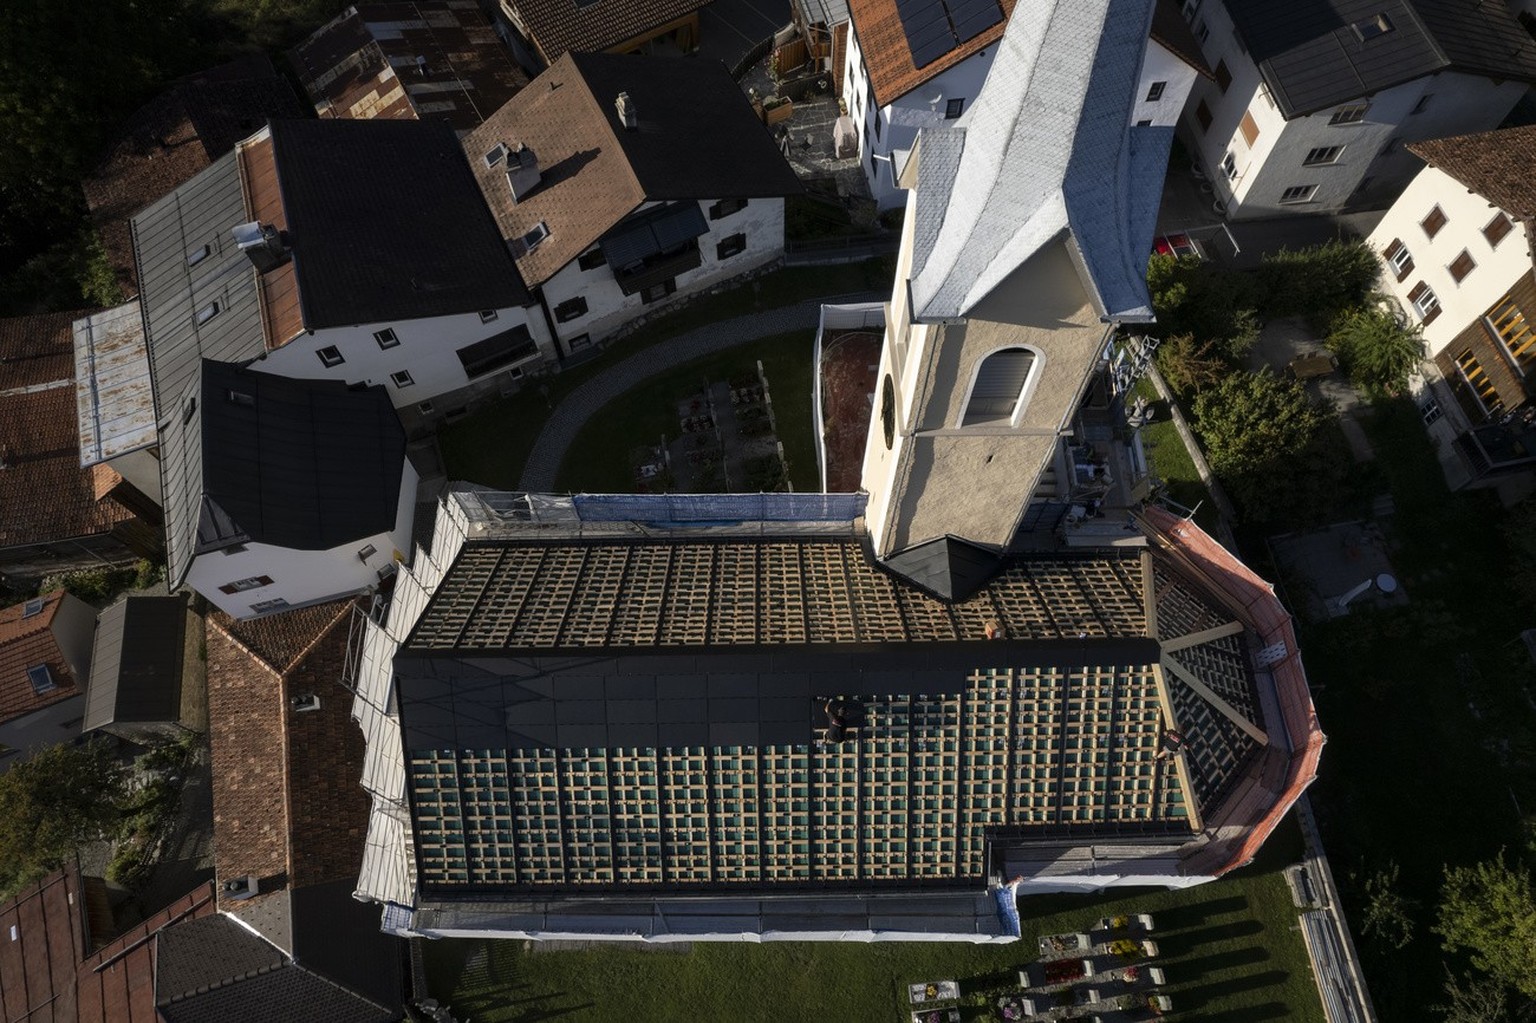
1461,266
1508,322
402,378
657,292
197,255
1400,259
577,343
330,356
1223,77
1203,116
1155,91
253,583
41,679
264,606
1425,301
1298,193
1496,229
1249,129
426,408
386,337
496,154
730,246
33,607
998,390
489,316
1434,222
1350,113
207,312
367,552
1144,124
1477,378
1429,411
1372,28
722,209
1322,155
1202,31
1423,103
953,109
1229,165
571,309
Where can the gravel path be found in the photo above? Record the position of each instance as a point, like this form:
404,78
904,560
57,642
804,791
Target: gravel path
585,401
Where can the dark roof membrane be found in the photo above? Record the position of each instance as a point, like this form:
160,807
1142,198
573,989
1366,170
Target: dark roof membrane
948,567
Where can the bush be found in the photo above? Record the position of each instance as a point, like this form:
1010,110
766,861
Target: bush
1209,304
1376,351
100,586
1318,282
1190,366
1275,451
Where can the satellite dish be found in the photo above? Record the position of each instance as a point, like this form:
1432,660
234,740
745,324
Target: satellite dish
1385,583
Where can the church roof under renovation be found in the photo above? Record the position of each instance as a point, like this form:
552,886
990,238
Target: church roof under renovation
602,715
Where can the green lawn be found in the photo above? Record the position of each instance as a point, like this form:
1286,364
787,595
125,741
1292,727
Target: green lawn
491,446
1231,949
1170,459
599,460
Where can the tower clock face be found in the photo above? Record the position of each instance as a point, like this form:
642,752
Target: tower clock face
888,410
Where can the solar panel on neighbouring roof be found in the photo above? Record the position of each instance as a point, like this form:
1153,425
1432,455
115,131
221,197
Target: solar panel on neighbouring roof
929,35
973,17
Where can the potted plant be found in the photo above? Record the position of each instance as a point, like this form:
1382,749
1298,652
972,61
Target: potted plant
777,108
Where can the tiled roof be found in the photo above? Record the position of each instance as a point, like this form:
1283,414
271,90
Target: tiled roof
116,983
37,967
174,136
287,803
558,26
698,139
26,642
1312,57
36,350
387,223
888,56
44,493
1498,165
452,65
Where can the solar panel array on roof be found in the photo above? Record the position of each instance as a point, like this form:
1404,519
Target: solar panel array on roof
934,27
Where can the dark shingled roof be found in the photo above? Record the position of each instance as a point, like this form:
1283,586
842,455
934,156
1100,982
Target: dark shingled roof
386,223
1312,58
308,464
560,25
136,662
1498,165
698,139
948,567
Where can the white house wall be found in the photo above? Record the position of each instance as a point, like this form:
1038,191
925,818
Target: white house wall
609,309
1467,213
427,350
305,577
1373,158
1178,78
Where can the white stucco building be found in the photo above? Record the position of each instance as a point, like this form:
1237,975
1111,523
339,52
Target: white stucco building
1456,258
624,184
897,81
1310,107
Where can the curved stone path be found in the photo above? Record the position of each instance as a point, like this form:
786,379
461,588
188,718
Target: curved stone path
554,441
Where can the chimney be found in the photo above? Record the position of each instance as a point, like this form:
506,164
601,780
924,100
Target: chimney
522,172
628,115
263,243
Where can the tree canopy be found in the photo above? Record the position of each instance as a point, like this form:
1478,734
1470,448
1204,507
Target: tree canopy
1489,911
51,804
1378,353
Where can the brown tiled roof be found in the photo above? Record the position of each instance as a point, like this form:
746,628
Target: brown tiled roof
116,984
558,26
38,968
348,70
167,141
288,804
1498,165
37,350
282,319
698,139
888,57
25,643
1174,34
44,494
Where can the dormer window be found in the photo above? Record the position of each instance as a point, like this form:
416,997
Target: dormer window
530,241
999,391
240,398
497,154
197,255
207,313
1372,28
32,607
41,679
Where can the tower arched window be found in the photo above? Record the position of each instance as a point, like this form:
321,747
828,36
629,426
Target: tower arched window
1001,387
